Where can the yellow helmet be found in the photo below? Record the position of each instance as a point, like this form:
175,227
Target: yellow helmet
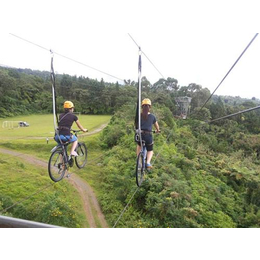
146,101
68,104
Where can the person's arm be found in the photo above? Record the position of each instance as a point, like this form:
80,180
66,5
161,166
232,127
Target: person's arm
81,127
157,127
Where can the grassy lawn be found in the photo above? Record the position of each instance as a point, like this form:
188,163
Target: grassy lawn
33,139
19,179
30,185
41,126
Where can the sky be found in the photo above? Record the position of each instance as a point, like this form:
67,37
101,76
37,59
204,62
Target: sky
191,41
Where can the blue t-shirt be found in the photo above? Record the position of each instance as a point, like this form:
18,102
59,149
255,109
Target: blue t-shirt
147,125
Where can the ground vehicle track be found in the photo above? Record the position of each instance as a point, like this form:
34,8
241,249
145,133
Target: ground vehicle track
90,202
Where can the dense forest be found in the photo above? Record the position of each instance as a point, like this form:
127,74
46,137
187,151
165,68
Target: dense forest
24,91
205,174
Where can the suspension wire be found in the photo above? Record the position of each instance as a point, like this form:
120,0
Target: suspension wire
229,72
30,42
163,78
139,98
54,96
235,114
28,197
137,122
66,57
123,211
147,57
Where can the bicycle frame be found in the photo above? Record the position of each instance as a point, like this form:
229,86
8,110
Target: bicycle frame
144,151
141,164
141,158
60,162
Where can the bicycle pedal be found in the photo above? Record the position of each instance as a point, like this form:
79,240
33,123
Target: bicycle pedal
71,162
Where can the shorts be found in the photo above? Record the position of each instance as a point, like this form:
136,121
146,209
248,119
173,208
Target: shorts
65,138
148,138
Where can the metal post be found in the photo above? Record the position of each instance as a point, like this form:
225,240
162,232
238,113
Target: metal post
140,96
8,222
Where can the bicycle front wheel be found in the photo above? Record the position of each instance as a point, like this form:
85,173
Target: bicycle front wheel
57,166
139,170
82,152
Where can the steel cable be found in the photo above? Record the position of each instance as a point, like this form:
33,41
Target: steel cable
228,72
66,57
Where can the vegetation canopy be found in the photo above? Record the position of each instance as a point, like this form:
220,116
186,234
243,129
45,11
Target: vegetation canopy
204,175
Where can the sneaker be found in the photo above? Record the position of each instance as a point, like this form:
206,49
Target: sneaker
74,154
149,166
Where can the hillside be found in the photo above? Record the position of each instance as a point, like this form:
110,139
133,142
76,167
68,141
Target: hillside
204,176
25,91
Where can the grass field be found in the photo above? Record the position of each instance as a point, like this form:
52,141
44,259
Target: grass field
19,179
43,126
33,139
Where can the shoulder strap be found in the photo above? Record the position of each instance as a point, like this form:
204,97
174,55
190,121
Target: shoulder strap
62,118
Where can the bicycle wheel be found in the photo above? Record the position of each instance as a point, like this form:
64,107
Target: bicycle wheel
139,170
82,152
56,166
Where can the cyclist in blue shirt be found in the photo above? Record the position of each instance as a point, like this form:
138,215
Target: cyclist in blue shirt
148,120
66,120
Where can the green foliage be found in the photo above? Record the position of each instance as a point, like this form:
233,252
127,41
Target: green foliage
204,175
199,178
57,211
26,193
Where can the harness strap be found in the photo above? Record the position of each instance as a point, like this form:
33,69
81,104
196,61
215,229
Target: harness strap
63,127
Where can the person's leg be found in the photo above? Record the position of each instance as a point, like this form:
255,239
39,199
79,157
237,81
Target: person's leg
73,147
138,149
149,157
74,141
149,147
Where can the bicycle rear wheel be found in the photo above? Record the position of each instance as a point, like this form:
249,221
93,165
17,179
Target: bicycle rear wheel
57,166
140,168
82,152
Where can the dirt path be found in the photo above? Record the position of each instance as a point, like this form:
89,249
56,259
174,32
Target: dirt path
90,202
95,131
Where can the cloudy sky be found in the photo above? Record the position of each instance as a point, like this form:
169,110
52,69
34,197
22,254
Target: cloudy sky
192,41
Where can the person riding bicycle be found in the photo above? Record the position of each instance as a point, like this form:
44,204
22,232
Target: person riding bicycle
147,122
66,120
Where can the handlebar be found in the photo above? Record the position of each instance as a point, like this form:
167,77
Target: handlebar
75,131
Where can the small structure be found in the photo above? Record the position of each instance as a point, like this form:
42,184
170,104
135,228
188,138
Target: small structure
183,104
14,124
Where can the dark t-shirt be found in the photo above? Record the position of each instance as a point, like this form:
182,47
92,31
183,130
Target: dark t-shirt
65,122
147,125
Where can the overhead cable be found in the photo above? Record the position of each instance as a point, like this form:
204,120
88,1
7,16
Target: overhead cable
235,114
28,197
123,211
63,56
229,71
147,57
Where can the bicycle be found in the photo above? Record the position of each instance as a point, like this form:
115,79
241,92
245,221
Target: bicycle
141,161
60,162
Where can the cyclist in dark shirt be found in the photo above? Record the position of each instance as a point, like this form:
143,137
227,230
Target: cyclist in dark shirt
66,120
147,122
